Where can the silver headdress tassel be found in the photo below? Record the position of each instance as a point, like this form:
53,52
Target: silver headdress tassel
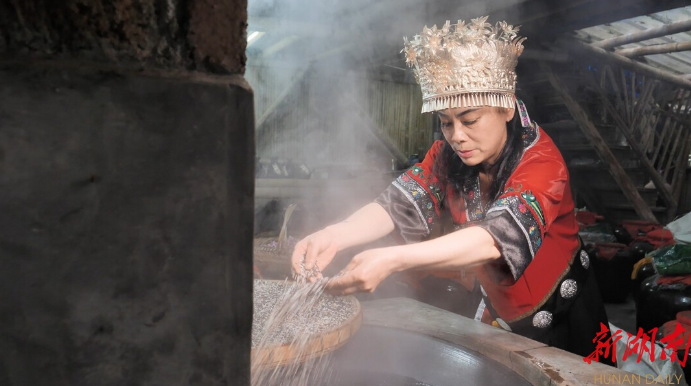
463,65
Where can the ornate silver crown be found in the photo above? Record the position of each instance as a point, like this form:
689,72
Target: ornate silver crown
463,65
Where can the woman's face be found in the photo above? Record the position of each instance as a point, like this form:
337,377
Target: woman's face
476,134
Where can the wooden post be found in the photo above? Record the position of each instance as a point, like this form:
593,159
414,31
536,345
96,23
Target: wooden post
673,152
593,135
654,49
680,177
640,68
652,33
662,139
648,125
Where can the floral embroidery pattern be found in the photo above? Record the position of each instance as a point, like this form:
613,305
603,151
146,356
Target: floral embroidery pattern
418,171
532,201
437,193
523,217
530,136
511,189
417,195
473,204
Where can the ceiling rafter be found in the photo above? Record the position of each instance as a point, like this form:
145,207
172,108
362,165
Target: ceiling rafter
652,33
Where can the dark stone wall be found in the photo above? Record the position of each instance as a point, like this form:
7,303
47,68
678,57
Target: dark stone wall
126,229
200,35
125,249
126,193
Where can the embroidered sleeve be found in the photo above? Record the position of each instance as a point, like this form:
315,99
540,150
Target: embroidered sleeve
523,213
413,199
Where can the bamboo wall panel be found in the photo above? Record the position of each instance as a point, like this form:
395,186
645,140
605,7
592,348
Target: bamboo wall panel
396,108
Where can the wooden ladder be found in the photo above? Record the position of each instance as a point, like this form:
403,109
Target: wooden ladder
653,119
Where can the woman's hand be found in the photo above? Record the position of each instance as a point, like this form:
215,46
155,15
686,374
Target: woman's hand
365,272
466,247
369,223
314,253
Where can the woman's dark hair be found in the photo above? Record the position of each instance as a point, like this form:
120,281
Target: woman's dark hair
452,171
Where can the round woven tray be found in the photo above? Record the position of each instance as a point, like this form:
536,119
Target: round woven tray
319,345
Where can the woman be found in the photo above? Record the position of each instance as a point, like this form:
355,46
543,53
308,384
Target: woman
504,184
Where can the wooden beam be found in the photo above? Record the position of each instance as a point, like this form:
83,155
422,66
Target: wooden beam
285,27
621,11
253,37
586,15
297,79
667,29
640,68
281,44
645,161
679,118
598,143
654,49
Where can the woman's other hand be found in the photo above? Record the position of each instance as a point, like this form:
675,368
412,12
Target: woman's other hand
369,223
314,251
365,272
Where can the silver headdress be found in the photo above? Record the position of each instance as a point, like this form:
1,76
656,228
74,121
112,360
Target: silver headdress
463,65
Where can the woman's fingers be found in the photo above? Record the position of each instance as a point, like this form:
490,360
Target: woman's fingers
364,273
311,255
350,280
325,257
318,255
305,254
316,248
350,283
344,292
298,256
341,284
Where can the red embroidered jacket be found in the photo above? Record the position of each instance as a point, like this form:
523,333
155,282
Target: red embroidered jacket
532,221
